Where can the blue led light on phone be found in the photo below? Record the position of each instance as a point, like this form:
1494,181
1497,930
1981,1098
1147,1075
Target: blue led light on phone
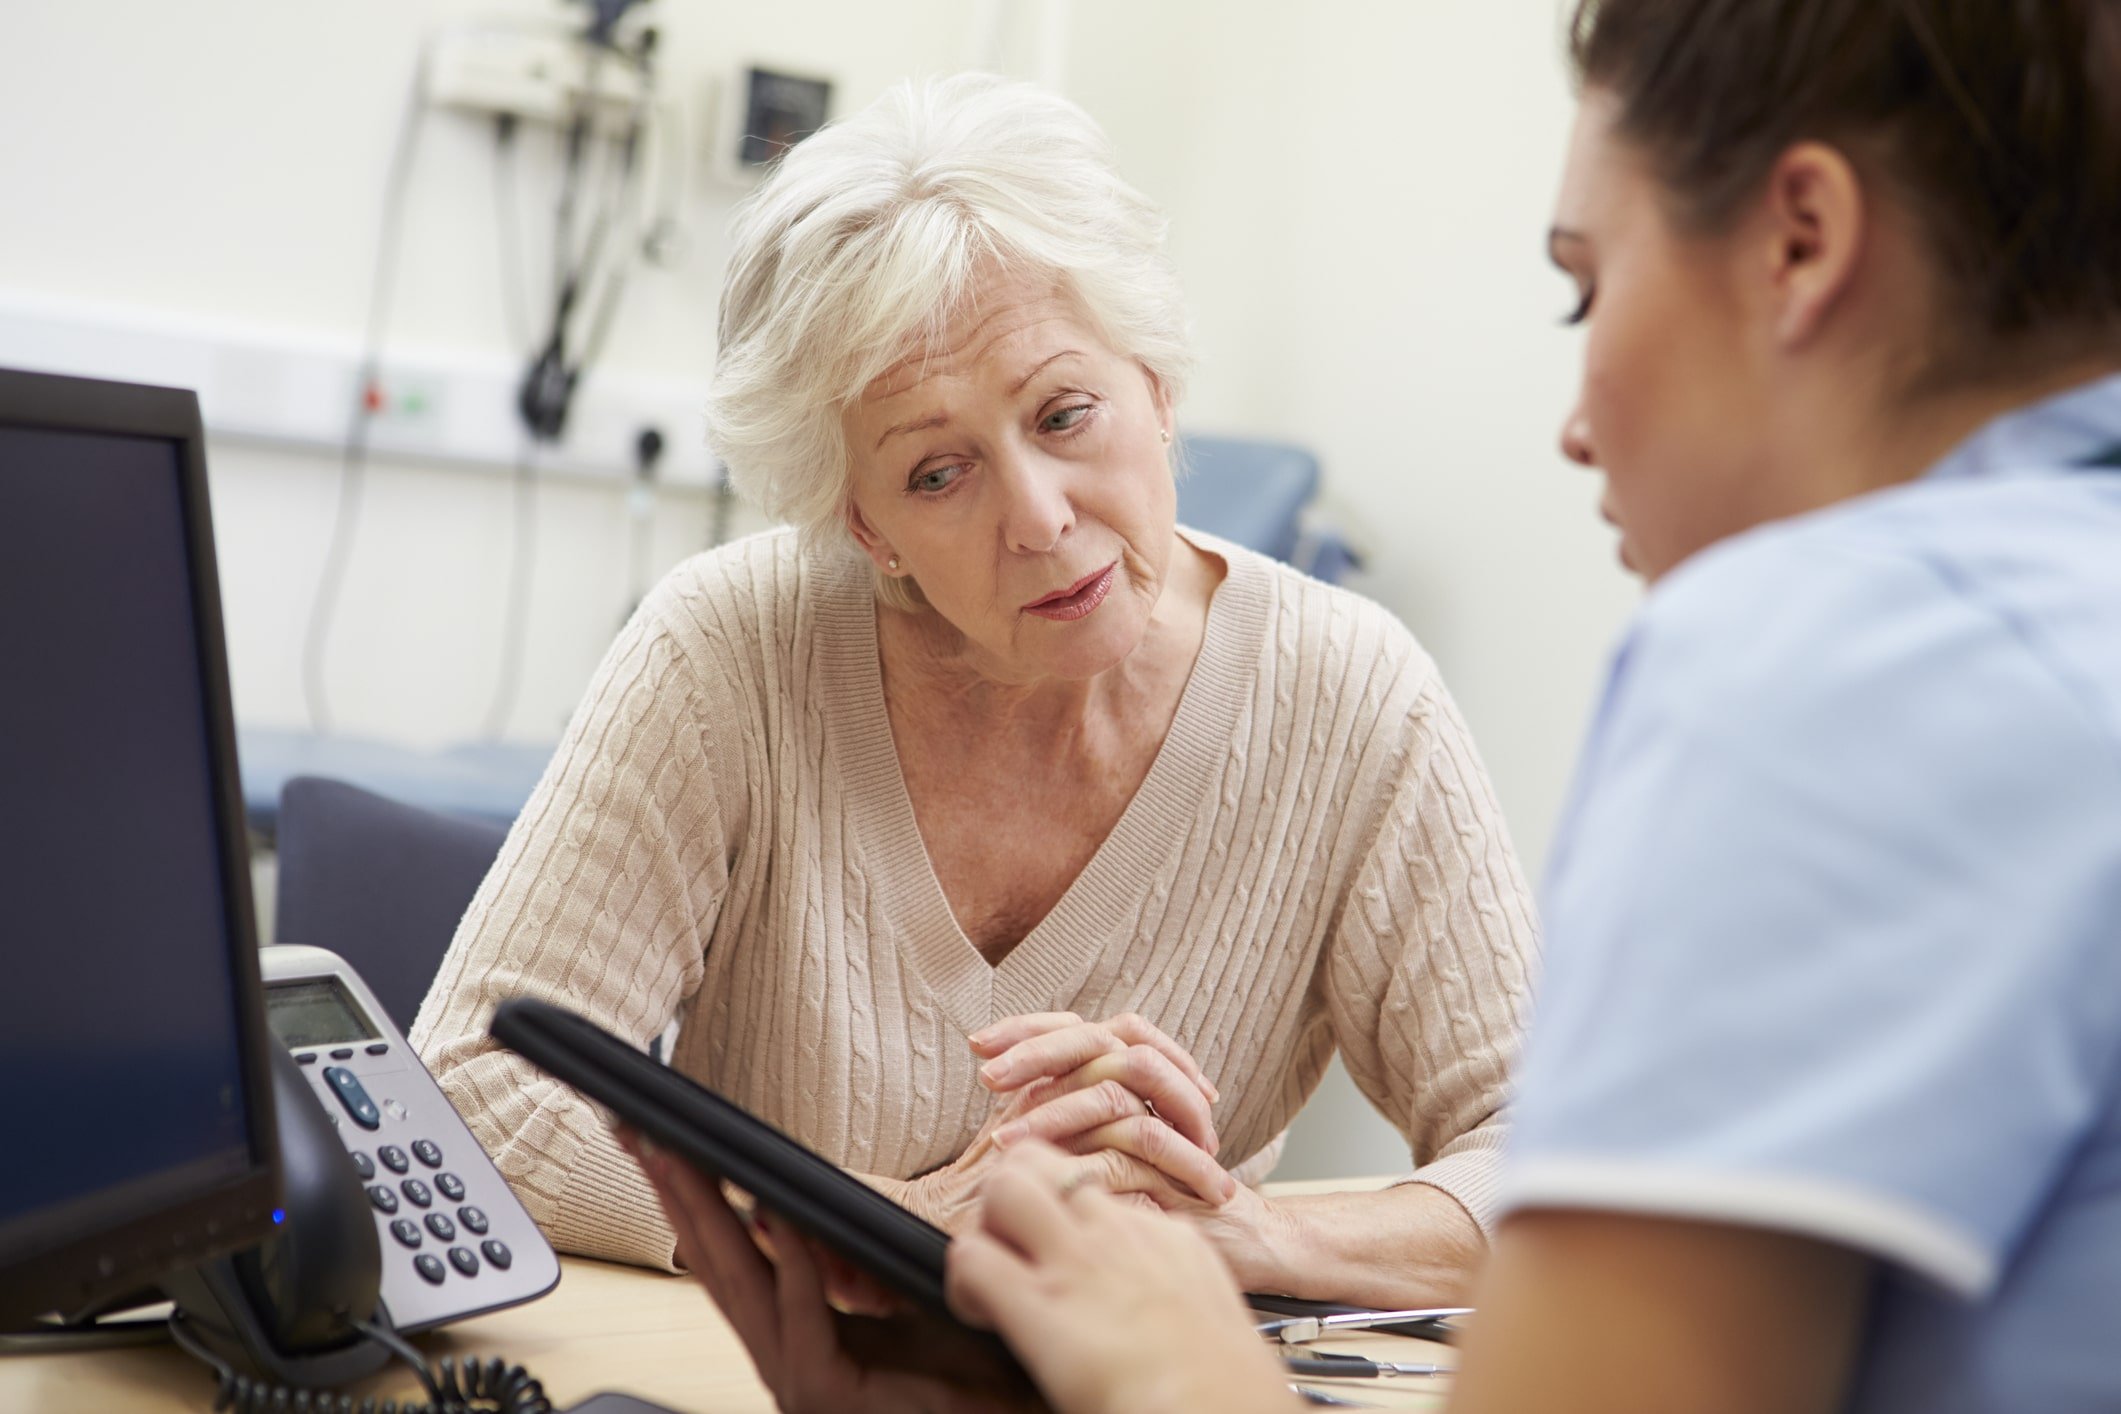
279,1215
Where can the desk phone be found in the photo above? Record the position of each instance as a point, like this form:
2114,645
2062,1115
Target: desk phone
455,1240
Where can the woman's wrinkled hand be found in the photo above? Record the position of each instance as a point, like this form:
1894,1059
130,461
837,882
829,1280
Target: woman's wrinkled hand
1126,1102
772,1290
1110,1308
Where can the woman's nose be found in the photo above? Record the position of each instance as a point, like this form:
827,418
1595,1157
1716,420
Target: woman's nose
1036,509
1576,440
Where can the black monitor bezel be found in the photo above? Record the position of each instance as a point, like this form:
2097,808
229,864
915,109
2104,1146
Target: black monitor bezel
113,1248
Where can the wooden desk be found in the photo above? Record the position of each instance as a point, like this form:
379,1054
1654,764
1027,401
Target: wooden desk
605,1327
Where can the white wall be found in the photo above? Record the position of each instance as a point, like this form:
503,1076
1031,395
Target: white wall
1358,191
1359,195
224,162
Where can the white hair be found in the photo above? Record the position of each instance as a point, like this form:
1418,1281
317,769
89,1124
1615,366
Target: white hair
867,239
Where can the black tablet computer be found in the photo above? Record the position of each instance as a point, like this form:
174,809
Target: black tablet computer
691,1121
816,1196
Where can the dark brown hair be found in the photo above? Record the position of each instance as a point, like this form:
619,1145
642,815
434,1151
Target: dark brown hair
1998,122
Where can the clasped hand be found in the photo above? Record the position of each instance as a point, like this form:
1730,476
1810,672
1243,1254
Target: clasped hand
1124,1101
1130,1111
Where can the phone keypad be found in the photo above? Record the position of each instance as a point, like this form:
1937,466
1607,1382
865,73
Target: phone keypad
411,1232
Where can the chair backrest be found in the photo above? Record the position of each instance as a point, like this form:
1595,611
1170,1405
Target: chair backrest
1250,493
380,883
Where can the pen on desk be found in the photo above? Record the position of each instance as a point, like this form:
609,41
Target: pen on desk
1325,1365
1301,1330
1319,1396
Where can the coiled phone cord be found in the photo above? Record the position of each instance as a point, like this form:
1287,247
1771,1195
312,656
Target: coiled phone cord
469,1388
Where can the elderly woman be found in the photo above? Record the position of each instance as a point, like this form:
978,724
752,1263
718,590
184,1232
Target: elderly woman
1822,1111
986,803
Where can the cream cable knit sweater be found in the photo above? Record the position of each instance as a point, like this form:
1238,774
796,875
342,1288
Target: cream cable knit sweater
723,839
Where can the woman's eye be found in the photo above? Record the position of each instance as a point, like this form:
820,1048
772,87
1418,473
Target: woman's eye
1583,308
1061,419
937,478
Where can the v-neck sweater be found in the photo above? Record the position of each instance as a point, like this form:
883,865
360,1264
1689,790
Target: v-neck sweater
724,847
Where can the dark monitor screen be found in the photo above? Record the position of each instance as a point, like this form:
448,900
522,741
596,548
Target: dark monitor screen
130,1014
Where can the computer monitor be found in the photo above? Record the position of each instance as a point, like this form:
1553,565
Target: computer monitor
139,1133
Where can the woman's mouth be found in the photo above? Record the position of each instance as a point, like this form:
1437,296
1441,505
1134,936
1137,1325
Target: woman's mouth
1078,600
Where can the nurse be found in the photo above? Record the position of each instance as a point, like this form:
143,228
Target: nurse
1822,1103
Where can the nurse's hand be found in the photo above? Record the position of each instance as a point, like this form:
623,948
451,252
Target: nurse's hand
1265,1246
778,1308
1109,1307
1125,1100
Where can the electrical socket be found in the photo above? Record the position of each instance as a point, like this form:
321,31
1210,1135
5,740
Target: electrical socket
410,401
536,76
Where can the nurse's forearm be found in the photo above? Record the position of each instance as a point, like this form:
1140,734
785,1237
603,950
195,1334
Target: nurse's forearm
1612,1313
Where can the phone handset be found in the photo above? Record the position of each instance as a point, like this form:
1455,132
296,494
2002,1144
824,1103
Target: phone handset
291,1307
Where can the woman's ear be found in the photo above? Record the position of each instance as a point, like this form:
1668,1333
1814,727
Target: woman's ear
872,544
1816,225
1160,399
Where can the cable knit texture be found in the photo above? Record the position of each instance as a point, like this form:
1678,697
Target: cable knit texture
724,841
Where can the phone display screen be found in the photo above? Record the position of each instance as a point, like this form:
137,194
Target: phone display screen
315,1013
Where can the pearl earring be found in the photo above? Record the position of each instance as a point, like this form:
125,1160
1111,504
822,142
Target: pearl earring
1165,433
893,562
